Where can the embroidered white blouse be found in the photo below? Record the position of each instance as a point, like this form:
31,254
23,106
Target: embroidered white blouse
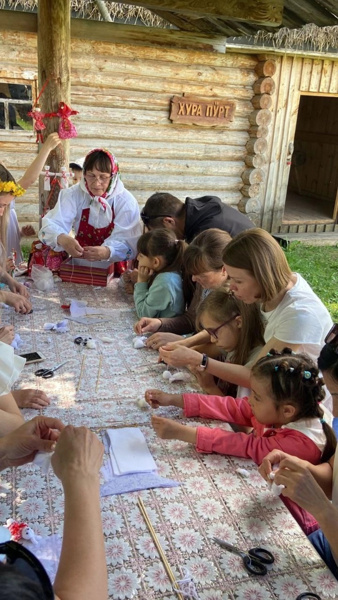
67,214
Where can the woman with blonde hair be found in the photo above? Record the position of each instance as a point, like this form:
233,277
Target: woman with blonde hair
18,295
294,316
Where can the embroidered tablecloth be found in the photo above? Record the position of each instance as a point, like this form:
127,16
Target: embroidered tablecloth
214,500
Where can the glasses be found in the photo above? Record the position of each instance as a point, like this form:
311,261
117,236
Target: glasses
213,332
332,337
146,218
28,565
101,178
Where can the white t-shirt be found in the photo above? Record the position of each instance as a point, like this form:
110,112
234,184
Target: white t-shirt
300,318
10,368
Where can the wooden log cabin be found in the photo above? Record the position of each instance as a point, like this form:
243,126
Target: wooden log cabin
276,159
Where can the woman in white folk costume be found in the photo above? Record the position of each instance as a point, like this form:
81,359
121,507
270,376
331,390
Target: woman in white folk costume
104,215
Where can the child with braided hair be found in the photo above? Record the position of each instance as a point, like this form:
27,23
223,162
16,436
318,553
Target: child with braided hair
283,409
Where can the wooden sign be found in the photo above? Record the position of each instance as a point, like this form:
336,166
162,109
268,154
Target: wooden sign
207,113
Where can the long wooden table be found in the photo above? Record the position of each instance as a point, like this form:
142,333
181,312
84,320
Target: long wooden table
213,500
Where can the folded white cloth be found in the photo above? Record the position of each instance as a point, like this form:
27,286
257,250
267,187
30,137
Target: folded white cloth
129,452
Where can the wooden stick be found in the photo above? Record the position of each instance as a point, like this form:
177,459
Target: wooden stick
98,374
158,546
81,372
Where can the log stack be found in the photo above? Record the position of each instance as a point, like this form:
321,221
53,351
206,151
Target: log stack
257,145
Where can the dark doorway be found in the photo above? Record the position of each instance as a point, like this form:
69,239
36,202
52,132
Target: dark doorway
312,189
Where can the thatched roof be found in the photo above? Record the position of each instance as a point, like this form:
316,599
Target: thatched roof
87,9
310,25
310,37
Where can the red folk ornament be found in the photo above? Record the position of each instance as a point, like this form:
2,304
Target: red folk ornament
66,128
39,125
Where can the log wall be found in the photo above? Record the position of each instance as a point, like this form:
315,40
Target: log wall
122,93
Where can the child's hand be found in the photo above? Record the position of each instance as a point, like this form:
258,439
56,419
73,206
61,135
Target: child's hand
158,398
147,325
168,429
10,265
162,338
52,141
180,356
27,231
144,274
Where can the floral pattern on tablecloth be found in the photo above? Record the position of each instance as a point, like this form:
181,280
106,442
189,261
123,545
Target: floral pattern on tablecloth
213,500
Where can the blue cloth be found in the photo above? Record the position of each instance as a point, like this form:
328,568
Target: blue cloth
320,543
121,484
164,298
335,426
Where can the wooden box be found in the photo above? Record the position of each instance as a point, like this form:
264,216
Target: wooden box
78,270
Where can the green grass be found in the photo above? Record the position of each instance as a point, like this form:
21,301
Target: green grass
319,266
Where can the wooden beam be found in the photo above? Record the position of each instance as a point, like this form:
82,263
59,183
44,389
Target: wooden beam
54,69
260,12
116,33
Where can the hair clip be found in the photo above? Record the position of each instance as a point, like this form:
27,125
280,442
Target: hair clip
307,375
291,369
276,367
322,421
268,354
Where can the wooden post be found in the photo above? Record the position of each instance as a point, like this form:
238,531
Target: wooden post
54,66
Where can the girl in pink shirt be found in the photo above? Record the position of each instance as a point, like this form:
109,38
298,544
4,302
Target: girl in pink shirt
283,409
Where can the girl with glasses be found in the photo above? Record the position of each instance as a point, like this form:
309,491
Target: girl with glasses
104,215
235,332
283,408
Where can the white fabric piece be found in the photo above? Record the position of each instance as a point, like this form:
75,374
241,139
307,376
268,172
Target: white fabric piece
243,472
43,460
60,327
91,344
142,403
17,342
67,213
129,452
10,368
106,340
180,376
277,489
140,341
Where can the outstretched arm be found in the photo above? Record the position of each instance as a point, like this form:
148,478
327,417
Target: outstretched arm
82,571
10,415
36,166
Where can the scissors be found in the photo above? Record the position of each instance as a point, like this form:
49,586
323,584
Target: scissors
255,560
307,595
48,373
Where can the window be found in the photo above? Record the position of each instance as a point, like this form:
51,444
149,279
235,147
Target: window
15,103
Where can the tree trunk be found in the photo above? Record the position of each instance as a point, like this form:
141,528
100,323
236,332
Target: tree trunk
54,66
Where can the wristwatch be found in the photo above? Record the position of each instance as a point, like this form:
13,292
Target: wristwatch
203,363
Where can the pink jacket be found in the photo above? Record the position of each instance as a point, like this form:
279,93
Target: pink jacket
255,445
